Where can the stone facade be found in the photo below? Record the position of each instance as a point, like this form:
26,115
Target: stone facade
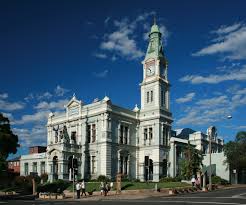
107,139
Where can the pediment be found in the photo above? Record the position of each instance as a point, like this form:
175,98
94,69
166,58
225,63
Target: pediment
73,103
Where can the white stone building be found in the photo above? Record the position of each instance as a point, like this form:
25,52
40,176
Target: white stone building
108,139
33,163
201,142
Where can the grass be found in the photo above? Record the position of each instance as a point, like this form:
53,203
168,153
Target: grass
135,185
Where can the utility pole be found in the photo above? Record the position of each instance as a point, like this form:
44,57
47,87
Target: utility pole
73,177
210,167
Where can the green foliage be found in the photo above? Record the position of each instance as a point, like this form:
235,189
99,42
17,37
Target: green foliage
170,179
44,177
241,137
125,178
235,152
55,187
102,178
192,162
8,141
219,180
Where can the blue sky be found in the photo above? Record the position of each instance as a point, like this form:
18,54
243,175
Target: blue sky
52,49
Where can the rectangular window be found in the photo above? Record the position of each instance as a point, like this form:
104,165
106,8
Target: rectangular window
26,169
151,96
121,164
162,98
121,134
145,134
42,167
147,97
126,162
126,135
34,167
88,133
93,164
89,165
73,136
93,132
150,133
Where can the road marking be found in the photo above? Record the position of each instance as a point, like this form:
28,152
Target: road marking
239,196
186,202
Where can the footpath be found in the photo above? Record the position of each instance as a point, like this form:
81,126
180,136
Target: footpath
136,194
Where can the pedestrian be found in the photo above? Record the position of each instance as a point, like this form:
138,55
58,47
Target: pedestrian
107,189
193,180
102,188
83,188
198,182
78,187
111,185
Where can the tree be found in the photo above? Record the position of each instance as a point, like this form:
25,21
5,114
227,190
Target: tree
235,152
8,141
241,137
192,162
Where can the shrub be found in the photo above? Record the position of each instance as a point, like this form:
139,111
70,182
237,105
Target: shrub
125,178
219,180
55,187
44,177
102,178
167,179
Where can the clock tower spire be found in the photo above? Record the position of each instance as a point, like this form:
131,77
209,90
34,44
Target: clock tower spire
155,116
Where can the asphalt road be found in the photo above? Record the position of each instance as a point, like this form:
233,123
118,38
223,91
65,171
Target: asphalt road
222,197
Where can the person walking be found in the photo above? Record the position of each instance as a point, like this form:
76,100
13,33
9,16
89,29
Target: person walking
106,189
102,188
78,187
193,180
83,188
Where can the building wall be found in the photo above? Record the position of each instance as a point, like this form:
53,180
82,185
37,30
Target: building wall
30,159
14,166
218,159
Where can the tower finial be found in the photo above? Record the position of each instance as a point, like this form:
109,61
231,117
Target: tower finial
154,19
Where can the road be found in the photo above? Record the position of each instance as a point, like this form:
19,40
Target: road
222,197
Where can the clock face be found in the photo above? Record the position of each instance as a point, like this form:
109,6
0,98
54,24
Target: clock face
150,70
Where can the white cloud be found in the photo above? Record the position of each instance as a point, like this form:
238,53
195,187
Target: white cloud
102,74
209,110
100,55
186,98
59,91
37,135
211,102
51,105
233,74
122,41
231,42
29,97
46,95
8,115
38,117
11,106
4,95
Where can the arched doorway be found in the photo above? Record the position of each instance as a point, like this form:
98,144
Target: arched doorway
55,168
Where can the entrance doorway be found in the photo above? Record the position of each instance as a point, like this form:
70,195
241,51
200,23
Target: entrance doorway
148,169
55,168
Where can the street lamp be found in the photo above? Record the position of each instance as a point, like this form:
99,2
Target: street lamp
211,131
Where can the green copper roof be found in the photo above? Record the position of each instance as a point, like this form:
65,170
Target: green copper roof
155,29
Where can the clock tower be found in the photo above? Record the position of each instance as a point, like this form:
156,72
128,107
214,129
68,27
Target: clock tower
155,116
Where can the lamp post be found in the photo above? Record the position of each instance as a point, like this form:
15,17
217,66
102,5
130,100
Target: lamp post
211,133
